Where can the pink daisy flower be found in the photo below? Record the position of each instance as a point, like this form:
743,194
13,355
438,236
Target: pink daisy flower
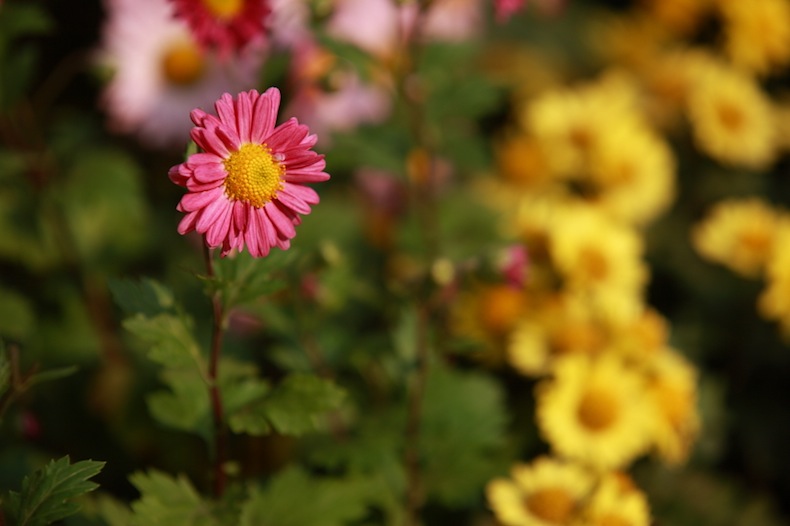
226,25
247,186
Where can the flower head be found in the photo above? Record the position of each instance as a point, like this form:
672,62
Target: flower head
247,186
226,25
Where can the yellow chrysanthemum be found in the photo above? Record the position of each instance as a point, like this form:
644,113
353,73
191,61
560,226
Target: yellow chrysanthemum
672,391
594,411
616,501
738,233
643,338
521,160
600,257
757,34
666,80
569,121
681,16
546,492
630,40
560,327
774,302
631,173
731,116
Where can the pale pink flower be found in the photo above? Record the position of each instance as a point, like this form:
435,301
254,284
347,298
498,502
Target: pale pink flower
504,9
224,25
159,73
247,187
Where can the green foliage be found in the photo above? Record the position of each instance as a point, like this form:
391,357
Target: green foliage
169,340
166,501
48,494
295,498
297,404
145,296
19,59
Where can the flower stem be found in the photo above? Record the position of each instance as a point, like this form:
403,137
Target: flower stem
215,396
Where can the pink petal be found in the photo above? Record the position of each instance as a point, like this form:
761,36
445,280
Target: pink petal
243,116
225,112
285,136
212,213
187,223
207,173
194,201
293,201
264,115
281,222
208,141
203,158
217,232
305,176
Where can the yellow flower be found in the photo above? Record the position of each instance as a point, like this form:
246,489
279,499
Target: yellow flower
757,34
731,116
672,390
631,173
616,502
681,16
562,326
738,233
774,301
546,492
643,338
594,411
568,122
601,258
522,161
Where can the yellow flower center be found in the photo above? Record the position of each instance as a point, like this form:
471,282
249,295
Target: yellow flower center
254,175
552,505
593,264
500,307
580,336
597,409
731,116
182,63
610,519
224,9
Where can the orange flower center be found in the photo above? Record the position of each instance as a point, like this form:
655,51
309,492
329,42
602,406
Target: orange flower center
224,9
552,505
597,409
254,175
500,307
182,63
593,264
731,116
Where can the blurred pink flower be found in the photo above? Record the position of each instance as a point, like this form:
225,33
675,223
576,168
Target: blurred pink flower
515,265
329,98
504,9
159,73
248,185
224,25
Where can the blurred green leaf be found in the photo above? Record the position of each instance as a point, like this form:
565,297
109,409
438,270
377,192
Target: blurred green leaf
243,278
185,405
297,404
463,436
144,296
47,494
295,498
16,315
169,339
169,501
18,60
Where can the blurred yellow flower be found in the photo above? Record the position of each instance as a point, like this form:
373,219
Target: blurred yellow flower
672,389
616,502
561,326
594,411
546,492
681,16
738,233
730,116
774,301
643,338
756,34
601,258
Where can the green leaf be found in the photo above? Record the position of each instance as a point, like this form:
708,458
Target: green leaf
5,369
47,494
298,403
170,340
16,315
169,501
243,278
185,405
295,498
145,296
462,439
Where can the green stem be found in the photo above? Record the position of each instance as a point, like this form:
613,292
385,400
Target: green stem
215,396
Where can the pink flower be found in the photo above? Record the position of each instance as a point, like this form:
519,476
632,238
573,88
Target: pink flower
504,9
247,186
226,25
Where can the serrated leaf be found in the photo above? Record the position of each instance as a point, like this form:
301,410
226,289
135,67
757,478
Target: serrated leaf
47,494
185,405
145,296
169,501
170,340
298,402
295,498
243,278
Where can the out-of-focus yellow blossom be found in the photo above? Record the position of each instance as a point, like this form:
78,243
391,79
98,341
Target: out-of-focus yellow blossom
756,34
680,16
631,173
601,258
617,501
672,390
562,326
642,339
594,411
546,492
486,314
631,40
569,121
730,116
738,233
522,161
774,301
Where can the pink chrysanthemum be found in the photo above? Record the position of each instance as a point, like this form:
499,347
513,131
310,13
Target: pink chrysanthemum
504,9
247,186
225,25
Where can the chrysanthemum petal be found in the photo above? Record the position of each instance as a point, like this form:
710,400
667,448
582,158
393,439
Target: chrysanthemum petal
298,198
194,201
187,223
217,232
265,115
243,116
280,221
286,135
211,213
